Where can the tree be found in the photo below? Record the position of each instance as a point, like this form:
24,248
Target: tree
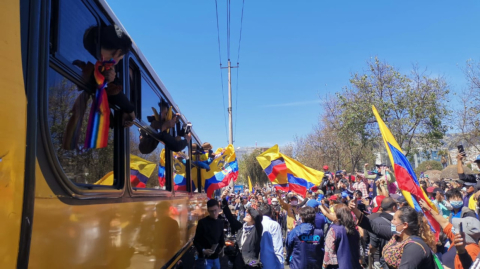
414,106
249,166
428,165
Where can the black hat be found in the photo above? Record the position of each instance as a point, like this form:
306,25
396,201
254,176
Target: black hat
401,199
254,213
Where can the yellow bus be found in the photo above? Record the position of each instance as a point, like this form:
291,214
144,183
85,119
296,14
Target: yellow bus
57,210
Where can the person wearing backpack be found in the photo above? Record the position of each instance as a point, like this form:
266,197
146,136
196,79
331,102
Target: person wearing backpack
410,242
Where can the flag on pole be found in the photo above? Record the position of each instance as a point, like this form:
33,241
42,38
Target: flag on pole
222,170
140,172
288,174
250,187
405,175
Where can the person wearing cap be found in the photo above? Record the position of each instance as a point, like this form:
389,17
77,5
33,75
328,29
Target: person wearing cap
292,210
381,172
469,179
442,205
248,236
325,170
471,229
383,221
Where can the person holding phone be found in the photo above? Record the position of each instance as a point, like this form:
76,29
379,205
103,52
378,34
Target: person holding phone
209,238
467,227
248,236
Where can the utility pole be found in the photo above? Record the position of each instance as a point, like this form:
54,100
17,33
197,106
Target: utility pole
230,110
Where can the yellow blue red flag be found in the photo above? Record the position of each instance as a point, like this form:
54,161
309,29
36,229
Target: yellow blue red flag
140,172
288,174
222,170
405,175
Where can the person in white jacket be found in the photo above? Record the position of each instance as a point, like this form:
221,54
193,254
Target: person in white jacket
271,245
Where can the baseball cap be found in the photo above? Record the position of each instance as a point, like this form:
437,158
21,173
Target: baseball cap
333,198
471,228
344,194
274,200
325,167
477,159
439,190
430,189
401,199
377,203
313,203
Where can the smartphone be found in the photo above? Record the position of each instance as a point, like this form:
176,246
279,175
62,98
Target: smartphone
461,228
188,129
461,150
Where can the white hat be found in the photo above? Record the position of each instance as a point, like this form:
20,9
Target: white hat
274,200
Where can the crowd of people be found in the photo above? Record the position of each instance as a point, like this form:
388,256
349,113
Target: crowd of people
358,220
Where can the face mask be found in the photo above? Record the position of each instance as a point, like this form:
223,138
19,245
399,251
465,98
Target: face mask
274,203
294,202
457,204
393,228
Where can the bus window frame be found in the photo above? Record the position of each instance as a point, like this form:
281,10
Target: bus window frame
79,191
142,192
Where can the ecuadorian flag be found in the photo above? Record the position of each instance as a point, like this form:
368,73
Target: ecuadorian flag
140,172
286,173
222,170
406,179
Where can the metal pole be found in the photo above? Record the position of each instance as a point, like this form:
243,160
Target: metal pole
230,119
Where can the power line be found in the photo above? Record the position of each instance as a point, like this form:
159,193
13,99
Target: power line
240,39
236,107
238,64
221,73
228,28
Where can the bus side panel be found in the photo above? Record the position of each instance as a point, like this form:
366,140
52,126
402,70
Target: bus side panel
13,106
118,234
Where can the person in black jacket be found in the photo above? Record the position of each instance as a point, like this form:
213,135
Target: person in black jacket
209,238
389,207
410,242
249,235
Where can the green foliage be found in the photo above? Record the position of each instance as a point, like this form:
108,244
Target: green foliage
428,165
249,166
413,105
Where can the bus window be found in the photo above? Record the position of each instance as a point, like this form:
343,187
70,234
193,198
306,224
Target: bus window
75,23
179,163
68,112
144,149
195,175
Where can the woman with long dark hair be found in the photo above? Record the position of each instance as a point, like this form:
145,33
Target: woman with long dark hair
410,242
342,243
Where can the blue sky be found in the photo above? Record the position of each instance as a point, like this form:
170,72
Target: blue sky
293,54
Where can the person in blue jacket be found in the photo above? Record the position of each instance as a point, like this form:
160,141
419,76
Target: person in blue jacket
305,242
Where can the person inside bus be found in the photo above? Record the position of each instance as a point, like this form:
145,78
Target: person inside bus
148,144
114,45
